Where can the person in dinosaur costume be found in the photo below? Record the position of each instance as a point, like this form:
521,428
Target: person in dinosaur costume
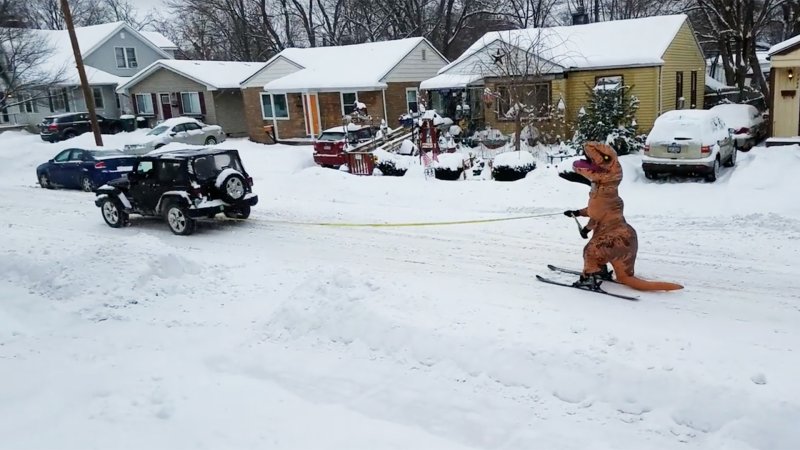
613,240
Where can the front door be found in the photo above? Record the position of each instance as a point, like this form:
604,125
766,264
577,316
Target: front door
312,115
166,106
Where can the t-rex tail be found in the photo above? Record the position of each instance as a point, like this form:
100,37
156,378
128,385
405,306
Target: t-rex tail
644,285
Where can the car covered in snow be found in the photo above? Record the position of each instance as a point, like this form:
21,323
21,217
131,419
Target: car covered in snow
180,186
83,169
688,142
747,122
329,146
185,130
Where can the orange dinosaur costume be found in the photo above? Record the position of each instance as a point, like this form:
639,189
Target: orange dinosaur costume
613,240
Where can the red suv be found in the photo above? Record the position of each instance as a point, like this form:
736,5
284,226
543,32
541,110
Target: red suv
329,146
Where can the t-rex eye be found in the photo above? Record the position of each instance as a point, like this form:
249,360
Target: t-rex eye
606,157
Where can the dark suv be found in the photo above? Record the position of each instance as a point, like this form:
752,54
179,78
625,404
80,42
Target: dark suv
68,125
180,186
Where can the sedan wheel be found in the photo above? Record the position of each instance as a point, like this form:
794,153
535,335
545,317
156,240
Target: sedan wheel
44,181
714,173
86,184
211,140
732,160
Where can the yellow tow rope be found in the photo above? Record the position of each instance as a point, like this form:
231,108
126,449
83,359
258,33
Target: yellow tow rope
410,224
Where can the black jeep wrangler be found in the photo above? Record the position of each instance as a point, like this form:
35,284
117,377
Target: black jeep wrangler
180,186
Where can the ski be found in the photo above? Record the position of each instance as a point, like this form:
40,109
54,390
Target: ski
598,290
573,272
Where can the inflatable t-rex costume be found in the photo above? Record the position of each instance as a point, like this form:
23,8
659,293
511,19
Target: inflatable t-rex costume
613,240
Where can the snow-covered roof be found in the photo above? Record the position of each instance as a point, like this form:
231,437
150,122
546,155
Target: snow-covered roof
712,83
449,81
159,40
61,60
213,74
344,67
617,43
781,46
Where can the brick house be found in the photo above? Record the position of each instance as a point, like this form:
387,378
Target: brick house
302,91
207,90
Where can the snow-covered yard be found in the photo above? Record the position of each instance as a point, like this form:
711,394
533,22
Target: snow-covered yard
271,334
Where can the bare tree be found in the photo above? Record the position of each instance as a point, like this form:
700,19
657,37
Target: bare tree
24,63
529,13
734,27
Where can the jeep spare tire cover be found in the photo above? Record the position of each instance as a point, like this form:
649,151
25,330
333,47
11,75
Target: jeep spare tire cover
232,185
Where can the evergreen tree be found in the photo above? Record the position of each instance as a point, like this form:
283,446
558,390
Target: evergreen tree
609,117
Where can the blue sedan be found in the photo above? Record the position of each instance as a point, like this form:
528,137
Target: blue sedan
84,169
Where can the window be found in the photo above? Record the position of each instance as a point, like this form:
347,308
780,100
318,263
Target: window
144,104
28,104
77,155
62,157
349,100
97,93
679,100
536,98
170,172
424,54
58,100
145,168
119,104
191,103
276,103
126,57
693,92
411,100
191,126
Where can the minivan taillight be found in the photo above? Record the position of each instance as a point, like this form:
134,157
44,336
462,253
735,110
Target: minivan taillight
100,165
705,149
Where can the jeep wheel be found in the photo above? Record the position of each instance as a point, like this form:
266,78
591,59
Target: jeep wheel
178,221
242,212
113,213
233,188
44,181
211,140
86,184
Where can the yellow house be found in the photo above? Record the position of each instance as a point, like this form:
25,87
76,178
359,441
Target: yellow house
658,57
785,105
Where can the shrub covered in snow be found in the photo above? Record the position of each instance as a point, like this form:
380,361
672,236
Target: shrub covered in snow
450,166
392,164
512,166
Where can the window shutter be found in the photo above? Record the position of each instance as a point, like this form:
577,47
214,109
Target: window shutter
202,103
180,103
156,104
135,105
50,100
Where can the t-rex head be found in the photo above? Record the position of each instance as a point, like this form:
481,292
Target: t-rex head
601,165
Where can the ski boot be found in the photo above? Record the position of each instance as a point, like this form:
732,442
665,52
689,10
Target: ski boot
590,281
605,274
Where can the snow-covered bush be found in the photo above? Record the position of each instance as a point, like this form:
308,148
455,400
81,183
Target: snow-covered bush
512,166
392,164
609,117
450,166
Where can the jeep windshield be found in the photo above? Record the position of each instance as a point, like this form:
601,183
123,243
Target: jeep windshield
206,167
157,130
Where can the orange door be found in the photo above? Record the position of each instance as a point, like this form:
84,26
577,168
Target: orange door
312,115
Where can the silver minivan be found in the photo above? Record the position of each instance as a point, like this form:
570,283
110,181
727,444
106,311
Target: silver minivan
689,142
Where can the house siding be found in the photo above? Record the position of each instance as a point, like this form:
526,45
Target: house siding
104,58
162,81
785,108
276,69
292,128
229,107
682,55
396,104
642,80
413,68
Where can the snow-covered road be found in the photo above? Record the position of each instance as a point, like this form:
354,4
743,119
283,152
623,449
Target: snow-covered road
264,334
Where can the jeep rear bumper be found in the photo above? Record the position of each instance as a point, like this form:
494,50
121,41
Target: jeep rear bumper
217,206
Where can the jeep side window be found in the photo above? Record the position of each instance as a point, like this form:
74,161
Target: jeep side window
170,172
145,169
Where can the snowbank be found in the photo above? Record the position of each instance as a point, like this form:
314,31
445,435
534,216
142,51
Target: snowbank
514,160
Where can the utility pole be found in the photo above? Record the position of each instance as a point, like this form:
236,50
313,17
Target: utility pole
88,97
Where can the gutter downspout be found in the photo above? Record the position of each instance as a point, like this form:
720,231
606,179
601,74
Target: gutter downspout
385,115
274,120
661,90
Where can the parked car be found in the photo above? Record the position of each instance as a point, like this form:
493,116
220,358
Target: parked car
185,130
329,145
690,142
68,125
749,125
83,169
180,186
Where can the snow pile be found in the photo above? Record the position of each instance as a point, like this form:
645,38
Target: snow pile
407,148
516,160
449,161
